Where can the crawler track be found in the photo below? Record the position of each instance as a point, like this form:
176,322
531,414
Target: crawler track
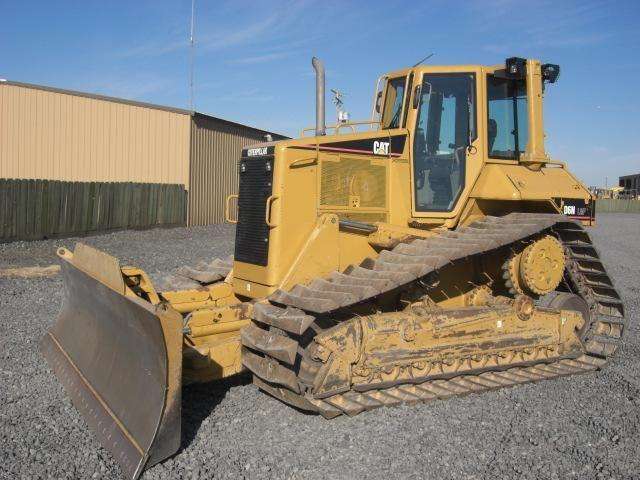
273,346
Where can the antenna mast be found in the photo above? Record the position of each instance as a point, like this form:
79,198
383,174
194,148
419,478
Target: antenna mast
191,53
343,115
424,59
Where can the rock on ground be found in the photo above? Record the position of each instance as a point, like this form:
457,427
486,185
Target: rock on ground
580,427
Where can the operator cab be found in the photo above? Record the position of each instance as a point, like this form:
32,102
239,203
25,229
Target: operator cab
442,110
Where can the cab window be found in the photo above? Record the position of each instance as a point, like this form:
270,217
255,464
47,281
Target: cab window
393,103
508,130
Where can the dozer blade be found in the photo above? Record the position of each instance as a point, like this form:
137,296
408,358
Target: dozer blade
120,360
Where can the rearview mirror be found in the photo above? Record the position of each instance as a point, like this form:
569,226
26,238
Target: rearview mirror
418,91
416,96
378,98
469,122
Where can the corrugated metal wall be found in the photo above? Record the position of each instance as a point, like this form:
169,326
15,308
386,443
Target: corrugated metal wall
51,135
215,151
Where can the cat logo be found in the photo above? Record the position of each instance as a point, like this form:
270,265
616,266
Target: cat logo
380,148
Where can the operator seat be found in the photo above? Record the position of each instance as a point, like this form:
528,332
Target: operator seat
492,130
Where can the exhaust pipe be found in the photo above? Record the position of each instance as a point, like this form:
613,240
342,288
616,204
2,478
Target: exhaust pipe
319,68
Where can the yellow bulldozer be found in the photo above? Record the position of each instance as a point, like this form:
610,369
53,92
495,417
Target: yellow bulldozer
436,250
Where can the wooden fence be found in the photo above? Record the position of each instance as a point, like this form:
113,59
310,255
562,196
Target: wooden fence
617,205
36,209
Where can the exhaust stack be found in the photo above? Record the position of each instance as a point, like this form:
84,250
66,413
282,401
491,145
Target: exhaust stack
320,123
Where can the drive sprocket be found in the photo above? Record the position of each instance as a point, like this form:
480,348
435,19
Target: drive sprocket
537,269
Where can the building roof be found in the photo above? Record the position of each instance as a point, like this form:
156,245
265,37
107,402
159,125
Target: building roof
134,103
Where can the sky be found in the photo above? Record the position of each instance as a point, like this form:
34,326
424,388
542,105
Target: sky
252,61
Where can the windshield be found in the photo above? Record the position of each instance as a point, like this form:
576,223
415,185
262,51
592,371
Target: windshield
393,103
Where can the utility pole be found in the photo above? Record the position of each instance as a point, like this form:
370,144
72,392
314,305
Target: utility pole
191,54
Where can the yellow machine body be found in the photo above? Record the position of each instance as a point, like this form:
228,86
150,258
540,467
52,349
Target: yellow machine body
320,181
417,244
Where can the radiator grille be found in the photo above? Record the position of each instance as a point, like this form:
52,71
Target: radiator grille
252,232
353,182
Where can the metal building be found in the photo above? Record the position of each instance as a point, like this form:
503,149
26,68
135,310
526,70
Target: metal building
631,185
54,135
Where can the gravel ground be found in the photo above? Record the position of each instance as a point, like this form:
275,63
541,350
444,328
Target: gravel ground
581,427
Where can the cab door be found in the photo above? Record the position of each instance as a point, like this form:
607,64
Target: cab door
445,133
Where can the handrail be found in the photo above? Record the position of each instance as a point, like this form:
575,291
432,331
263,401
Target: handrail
350,125
556,162
227,210
339,126
267,211
298,162
360,227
